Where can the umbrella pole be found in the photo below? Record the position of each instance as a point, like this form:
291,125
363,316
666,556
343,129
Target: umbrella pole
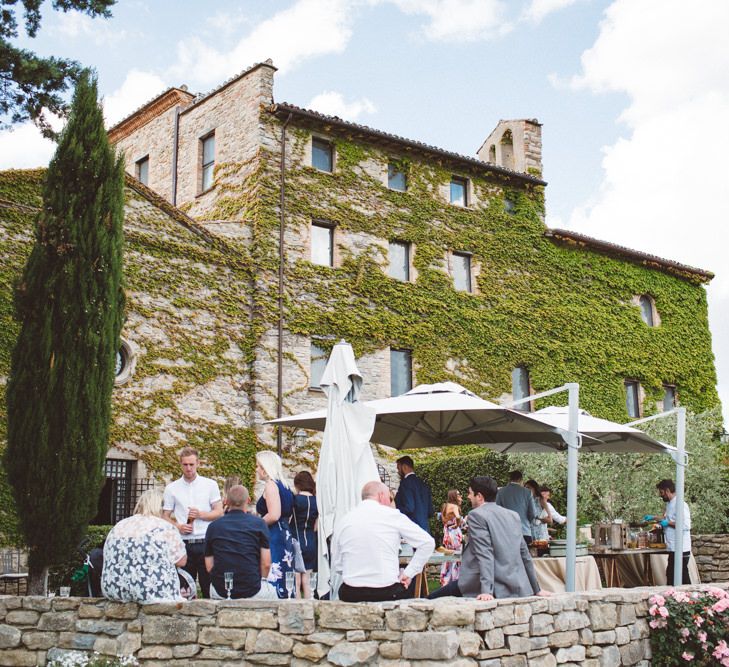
680,470
572,454
681,461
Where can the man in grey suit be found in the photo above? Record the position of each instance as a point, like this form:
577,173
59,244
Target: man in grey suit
515,497
496,561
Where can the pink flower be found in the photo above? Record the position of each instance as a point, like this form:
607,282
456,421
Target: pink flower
659,600
653,610
721,650
702,636
698,621
718,593
721,605
688,657
663,612
685,632
680,596
657,623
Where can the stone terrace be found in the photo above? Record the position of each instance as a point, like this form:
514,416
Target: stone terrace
600,629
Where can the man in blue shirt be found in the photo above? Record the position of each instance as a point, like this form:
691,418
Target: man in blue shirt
413,498
515,497
238,542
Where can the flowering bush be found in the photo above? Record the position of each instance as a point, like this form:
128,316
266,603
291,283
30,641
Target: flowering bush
690,628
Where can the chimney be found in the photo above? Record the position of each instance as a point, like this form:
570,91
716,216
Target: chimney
515,145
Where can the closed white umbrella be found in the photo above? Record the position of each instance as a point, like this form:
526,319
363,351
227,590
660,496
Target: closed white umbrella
346,462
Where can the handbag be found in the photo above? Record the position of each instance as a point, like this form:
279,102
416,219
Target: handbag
298,557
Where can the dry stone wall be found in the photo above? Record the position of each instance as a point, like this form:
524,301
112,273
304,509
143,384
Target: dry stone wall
601,629
712,556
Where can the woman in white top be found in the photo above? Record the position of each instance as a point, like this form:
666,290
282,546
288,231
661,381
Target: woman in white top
546,493
141,555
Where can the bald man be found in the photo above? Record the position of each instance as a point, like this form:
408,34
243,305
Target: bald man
366,548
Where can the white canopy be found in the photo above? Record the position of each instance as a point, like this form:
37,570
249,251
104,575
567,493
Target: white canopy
346,462
604,435
437,415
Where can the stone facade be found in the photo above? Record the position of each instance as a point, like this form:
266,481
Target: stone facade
712,556
603,629
515,144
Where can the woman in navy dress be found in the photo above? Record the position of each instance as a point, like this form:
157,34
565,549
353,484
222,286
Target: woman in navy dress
303,523
274,507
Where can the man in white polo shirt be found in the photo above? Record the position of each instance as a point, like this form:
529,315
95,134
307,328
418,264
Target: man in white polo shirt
191,503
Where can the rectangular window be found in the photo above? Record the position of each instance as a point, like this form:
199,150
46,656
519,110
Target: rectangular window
632,398
317,363
396,178
461,267
322,155
459,187
399,255
401,372
208,161
669,397
142,170
509,206
322,244
520,387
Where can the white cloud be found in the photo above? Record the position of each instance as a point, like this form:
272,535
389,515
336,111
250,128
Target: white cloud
24,147
307,29
664,181
458,20
72,25
333,104
137,89
540,9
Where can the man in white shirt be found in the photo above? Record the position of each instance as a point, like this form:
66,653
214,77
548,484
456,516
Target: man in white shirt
546,493
667,491
366,546
191,503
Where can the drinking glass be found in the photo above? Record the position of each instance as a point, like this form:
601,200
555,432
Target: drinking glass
228,577
312,583
65,591
290,583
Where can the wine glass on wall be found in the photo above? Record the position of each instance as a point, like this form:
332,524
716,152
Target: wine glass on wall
228,578
290,583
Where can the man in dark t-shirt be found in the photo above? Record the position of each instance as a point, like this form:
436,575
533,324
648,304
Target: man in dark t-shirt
238,542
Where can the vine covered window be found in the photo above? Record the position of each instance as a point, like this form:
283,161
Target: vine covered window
322,244
632,398
322,155
399,256
520,387
401,372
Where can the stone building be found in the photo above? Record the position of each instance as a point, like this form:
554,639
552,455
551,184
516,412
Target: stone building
259,233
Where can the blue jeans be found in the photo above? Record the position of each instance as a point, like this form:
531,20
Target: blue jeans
451,588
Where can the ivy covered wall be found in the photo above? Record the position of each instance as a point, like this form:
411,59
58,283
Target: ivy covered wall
566,313
188,321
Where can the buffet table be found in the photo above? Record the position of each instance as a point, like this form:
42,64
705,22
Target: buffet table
551,574
630,568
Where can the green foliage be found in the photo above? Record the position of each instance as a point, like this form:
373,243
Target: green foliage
70,305
61,572
30,84
447,470
690,628
624,485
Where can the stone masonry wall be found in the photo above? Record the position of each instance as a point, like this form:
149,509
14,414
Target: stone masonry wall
601,629
712,556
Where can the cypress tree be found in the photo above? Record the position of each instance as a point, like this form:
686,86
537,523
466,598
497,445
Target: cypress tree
69,302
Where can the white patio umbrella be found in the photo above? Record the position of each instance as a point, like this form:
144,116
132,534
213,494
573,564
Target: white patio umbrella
437,415
604,435
346,462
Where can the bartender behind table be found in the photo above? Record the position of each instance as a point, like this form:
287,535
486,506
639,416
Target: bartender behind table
667,491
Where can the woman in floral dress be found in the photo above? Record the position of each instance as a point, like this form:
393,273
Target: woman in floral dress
275,507
141,555
452,535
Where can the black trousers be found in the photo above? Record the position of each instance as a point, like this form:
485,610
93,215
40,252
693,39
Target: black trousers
684,569
450,589
365,594
196,566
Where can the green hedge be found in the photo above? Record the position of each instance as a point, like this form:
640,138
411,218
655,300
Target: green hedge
455,472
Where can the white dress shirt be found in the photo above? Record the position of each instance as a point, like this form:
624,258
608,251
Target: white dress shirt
556,516
202,493
670,533
366,545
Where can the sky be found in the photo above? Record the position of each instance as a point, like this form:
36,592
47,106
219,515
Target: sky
633,94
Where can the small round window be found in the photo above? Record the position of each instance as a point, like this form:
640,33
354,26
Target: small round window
125,363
